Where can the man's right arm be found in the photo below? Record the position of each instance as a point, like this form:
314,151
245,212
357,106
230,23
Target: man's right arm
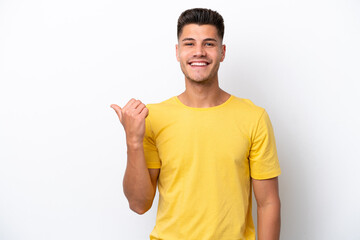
139,182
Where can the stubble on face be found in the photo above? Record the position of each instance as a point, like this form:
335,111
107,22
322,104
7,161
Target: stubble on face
200,52
197,78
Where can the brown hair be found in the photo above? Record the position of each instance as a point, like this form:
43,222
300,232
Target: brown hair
201,16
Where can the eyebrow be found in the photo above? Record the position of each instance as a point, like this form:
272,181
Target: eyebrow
192,39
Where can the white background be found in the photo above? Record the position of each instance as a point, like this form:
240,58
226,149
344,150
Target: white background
62,148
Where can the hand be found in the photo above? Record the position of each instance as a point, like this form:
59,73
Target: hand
132,117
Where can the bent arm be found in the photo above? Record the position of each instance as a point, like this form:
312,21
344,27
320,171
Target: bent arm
139,182
268,208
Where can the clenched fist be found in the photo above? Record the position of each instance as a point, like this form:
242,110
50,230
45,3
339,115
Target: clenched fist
132,117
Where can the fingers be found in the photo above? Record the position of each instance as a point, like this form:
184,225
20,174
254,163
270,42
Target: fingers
144,112
139,108
132,117
129,103
136,104
133,107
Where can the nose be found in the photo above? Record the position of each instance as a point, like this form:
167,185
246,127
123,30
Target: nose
199,51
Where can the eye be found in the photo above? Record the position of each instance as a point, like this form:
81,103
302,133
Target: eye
209,44
188,44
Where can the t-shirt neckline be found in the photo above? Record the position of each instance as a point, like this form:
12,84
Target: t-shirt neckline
206,108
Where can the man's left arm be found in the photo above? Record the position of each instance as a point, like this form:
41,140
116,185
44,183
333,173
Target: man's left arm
268,208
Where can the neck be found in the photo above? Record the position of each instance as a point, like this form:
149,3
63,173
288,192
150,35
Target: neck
203,94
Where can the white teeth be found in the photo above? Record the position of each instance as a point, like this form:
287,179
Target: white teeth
198,64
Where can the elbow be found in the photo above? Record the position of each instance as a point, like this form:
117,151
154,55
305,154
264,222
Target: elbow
139,204
139,209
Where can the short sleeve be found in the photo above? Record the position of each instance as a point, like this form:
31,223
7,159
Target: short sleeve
264,162
150,151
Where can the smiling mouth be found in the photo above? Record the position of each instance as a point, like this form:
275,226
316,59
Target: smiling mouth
198,64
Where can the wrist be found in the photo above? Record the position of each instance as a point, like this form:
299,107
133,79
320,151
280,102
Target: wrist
133,146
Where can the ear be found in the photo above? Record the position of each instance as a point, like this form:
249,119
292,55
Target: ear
177,52
223,50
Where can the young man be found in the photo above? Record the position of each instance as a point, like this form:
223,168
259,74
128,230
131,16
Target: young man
205,149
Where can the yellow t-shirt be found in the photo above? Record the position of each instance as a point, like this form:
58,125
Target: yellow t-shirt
207,157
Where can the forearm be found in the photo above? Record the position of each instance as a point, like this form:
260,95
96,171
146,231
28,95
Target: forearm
137,182
269,221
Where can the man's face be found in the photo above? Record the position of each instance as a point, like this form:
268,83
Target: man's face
200,51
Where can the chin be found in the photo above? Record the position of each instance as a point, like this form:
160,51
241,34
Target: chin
200,79
197,78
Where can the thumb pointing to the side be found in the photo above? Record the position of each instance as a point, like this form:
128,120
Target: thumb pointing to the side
117,110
